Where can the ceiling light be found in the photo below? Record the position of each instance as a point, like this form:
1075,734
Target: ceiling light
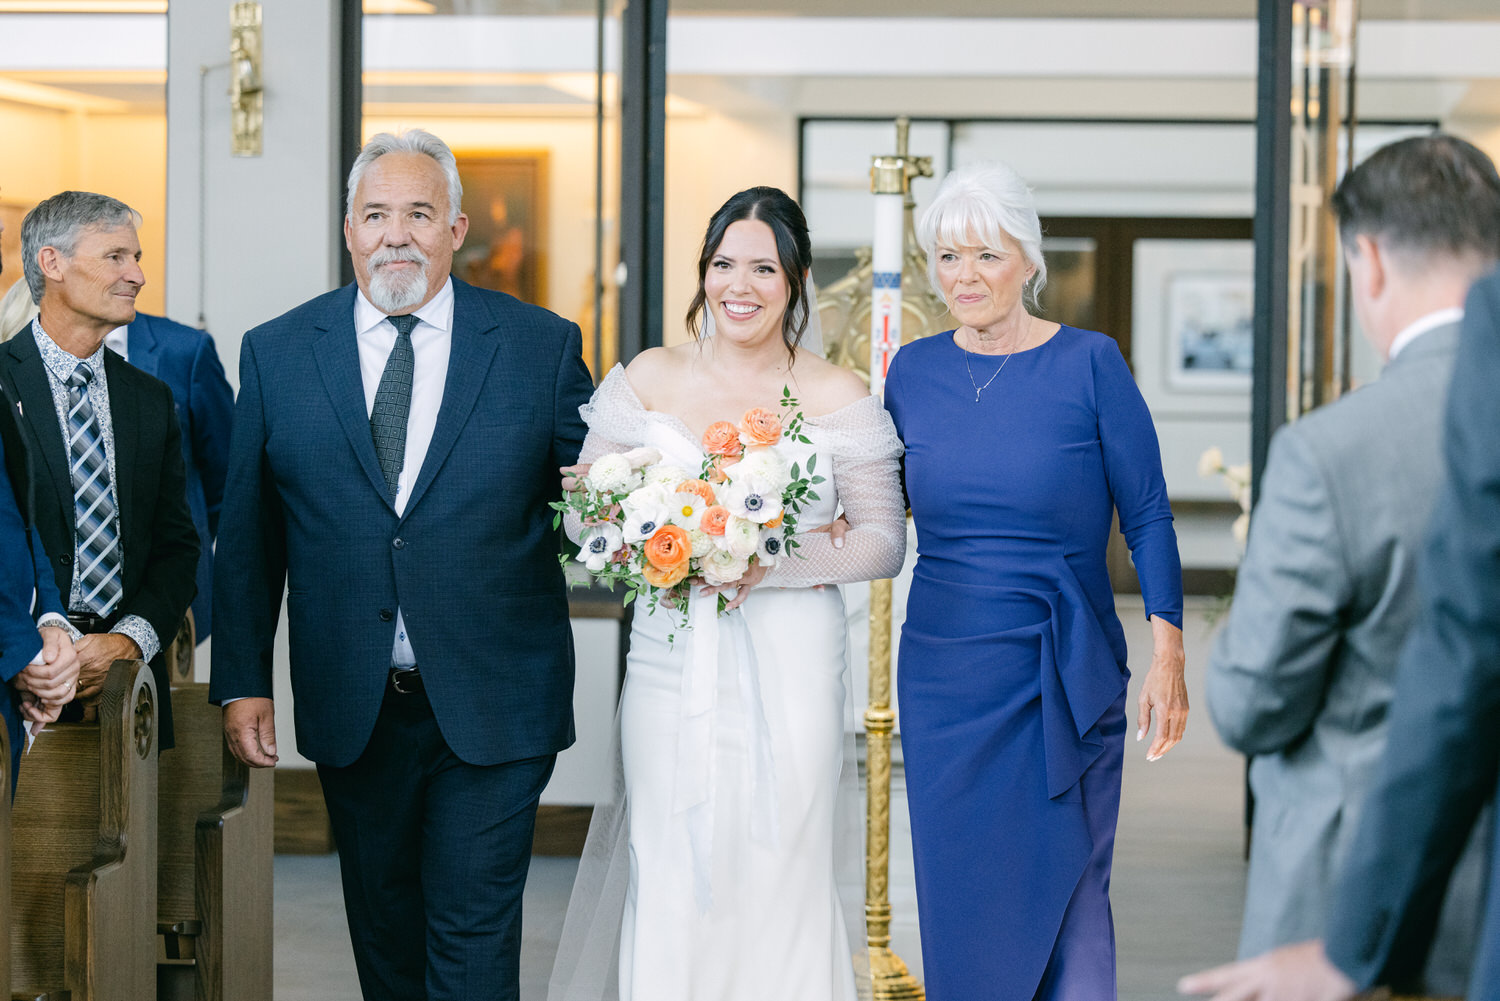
400,7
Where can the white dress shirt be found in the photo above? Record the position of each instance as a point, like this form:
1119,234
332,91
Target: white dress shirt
431,342
118,341
1430,322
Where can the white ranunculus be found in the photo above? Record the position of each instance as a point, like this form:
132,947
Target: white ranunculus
763,468
599,545
741,537
611,474
772,546
665,475
1211,461
701,541
640,458
723,567
746,499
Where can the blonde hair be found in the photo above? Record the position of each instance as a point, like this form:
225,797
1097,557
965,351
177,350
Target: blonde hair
16,310
979,202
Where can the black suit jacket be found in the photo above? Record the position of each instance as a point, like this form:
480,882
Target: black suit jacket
1442,761
156,531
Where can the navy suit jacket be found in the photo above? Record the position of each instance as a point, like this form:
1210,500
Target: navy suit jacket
472,562
27,590
156,531
1442,761
184,358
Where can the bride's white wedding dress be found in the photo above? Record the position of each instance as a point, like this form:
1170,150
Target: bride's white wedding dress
716,880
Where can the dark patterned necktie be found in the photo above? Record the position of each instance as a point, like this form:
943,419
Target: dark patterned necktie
98,536
393,403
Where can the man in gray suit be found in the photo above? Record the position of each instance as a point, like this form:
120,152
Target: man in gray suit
1302,676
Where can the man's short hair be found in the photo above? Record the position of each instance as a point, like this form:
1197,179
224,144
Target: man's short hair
1433,195
410,141
59,221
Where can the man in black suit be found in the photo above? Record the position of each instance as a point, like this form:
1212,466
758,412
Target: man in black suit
104,444
395,444
1442,762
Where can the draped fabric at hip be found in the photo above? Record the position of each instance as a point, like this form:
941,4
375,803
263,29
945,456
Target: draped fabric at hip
97,532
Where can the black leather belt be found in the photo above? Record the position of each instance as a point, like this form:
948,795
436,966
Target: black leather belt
85,622
406,681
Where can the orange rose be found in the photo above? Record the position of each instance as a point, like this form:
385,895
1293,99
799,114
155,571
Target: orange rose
664,578
722,438
776,521
760,427
700,488
669,549
714,520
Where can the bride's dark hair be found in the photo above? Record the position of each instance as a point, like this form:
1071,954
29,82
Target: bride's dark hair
779,211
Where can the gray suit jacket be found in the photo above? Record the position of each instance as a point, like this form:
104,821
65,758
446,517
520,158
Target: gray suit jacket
1302,674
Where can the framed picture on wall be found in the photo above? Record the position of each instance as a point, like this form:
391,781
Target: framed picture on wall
1210,333
1193,325
505,197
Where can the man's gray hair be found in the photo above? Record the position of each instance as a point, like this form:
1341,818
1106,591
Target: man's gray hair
59,221
410,141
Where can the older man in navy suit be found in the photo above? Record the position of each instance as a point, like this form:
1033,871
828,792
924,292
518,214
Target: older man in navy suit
184,358
395,446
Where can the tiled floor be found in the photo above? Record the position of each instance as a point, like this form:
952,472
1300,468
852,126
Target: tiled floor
1178,885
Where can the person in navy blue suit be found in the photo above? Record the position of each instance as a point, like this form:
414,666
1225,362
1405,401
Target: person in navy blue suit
32,618
395,445
184,358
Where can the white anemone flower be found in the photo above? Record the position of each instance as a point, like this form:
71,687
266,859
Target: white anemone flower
611,474
723,567
741,537
772,547
747,499
766,469
599,545
641,524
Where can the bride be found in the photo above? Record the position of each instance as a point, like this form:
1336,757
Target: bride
714,878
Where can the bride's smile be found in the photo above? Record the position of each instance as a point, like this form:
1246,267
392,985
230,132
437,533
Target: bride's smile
745,284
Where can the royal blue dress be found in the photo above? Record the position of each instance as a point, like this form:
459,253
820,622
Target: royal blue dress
1012,662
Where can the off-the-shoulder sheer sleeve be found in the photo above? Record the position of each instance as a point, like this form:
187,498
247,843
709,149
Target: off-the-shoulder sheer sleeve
616,421
862,444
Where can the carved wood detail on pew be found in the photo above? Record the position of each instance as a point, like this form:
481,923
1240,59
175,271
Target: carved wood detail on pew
214,914
83,859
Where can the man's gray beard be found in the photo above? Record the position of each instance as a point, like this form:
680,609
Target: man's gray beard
397,293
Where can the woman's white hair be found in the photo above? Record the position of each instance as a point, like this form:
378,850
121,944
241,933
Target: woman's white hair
410,141
973,206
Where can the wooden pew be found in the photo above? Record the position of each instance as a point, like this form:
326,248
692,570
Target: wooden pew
214,906
83,860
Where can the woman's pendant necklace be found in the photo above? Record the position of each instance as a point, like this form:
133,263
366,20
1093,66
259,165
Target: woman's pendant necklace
978,389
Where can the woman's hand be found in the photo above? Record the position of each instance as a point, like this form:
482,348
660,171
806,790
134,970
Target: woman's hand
1164,692
836,529
751,577
572,476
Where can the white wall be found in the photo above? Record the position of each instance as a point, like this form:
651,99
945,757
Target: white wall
270,239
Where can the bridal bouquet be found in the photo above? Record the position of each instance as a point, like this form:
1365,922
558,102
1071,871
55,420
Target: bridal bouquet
652,526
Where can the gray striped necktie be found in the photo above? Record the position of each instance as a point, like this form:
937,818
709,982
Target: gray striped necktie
98,534
393,403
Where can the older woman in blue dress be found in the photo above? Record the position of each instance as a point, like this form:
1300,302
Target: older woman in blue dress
1023,437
